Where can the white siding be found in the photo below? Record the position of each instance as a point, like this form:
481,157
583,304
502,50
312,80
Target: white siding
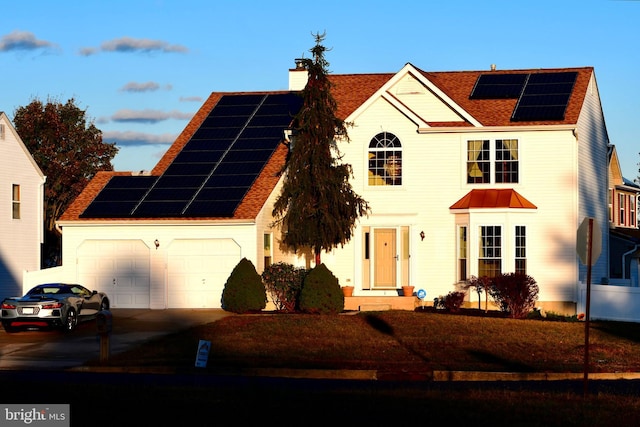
593,172
159,260
21,238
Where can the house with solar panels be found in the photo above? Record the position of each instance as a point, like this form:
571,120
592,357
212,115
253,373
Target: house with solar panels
468,173
21,210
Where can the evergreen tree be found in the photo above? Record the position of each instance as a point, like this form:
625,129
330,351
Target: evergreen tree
317,208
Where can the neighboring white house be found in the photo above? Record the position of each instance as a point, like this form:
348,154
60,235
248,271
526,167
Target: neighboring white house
467,173
21,210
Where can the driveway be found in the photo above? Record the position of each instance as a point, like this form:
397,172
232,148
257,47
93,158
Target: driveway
50,349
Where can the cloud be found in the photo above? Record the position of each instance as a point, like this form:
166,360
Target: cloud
149,116
128,44
23,40
130,138
143,87
190,99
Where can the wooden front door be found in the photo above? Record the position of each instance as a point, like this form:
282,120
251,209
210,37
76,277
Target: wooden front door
385,258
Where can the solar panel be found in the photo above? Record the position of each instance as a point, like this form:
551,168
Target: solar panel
215,168
545,97
498,86
119,196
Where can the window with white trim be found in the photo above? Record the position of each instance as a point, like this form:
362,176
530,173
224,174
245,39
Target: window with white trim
621,202
385,160
632,211
15,201
490,251
500,155
610,205
463,253
521,249
268,256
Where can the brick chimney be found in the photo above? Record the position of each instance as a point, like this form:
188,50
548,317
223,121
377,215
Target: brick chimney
298,76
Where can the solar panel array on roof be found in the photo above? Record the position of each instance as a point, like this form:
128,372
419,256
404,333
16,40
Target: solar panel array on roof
541,96
496,86
214,170
545,97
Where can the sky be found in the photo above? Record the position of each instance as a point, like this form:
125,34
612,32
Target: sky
142,68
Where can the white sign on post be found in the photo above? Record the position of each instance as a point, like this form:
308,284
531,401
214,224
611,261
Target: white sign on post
203,353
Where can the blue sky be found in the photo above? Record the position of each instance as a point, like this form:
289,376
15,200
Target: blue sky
142,68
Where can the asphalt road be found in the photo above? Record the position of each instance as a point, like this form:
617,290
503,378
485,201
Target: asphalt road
52,349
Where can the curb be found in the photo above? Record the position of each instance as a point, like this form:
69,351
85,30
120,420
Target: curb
368,375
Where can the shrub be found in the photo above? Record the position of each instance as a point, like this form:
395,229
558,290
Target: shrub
515,293
451,302
321,292
244,291
283,283
479,284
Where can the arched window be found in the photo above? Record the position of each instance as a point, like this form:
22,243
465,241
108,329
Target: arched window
385,160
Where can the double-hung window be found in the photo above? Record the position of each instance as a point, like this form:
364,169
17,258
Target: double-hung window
15,201
490,259
498,157
521,249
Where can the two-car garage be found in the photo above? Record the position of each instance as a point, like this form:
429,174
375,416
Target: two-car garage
179,273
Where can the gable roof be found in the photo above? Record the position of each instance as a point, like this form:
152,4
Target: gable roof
493,198
350,91
8,127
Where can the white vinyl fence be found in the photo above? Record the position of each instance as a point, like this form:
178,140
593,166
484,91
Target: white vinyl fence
619,301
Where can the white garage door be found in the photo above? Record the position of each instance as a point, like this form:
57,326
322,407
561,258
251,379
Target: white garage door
118,267
197,271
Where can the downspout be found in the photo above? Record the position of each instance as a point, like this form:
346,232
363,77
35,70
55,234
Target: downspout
624,256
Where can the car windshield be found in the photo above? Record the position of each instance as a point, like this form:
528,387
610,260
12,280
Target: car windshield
40,290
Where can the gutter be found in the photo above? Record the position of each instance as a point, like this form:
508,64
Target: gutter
465,129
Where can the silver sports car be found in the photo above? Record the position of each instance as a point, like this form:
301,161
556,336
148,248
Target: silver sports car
58,305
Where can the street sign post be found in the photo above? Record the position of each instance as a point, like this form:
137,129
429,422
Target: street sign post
589,246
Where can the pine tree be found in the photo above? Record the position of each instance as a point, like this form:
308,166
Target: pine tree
317,208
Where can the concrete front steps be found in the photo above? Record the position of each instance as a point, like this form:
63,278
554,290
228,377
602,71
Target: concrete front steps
380,303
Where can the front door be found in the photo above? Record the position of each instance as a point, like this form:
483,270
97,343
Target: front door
385,258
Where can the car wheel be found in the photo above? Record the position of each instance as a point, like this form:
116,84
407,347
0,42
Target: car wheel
104,305
7,327
71,320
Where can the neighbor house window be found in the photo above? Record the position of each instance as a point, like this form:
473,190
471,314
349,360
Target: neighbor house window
521,249
490,260
507,160
610,205
463,250
15,198
632,211
621,198
267,250
478,162
385,160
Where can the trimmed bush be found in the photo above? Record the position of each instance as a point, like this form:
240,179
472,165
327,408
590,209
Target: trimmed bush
283,282
321,292
244,291
451,302
515,293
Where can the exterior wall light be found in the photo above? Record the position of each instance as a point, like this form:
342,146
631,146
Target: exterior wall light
157,243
